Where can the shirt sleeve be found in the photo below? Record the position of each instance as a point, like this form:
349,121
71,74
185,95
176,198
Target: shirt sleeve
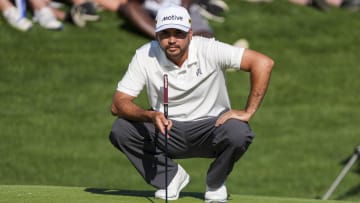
134,79
227,56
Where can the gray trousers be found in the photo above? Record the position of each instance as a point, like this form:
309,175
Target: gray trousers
144,147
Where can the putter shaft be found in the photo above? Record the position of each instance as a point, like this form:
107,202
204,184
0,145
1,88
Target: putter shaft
342,174
166,134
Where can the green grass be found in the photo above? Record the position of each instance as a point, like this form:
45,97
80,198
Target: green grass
54,194
56,89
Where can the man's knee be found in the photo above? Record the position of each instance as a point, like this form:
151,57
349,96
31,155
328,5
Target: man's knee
239,134
118,133
113,137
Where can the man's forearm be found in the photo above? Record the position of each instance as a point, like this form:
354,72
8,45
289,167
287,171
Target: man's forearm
254,101
128,110
260,78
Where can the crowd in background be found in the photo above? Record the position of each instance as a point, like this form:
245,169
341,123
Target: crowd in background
52,14
352,5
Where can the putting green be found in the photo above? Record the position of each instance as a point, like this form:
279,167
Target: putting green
54,194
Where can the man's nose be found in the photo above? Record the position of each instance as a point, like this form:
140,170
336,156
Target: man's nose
172,39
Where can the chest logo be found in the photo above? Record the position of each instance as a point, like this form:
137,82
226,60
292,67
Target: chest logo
198,72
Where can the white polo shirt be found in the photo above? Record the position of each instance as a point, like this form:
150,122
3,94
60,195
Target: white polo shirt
197,90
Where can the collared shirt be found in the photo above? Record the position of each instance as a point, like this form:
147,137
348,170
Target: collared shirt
197,89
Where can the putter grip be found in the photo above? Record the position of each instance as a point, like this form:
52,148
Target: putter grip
166,85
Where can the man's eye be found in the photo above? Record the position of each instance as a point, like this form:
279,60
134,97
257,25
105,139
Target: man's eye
180,34
164,34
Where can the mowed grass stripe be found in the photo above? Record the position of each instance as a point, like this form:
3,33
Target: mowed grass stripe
54,194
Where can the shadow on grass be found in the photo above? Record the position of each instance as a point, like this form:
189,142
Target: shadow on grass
352,192
138,193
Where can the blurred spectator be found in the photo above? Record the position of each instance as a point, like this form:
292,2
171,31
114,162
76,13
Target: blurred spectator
319,4
258,1
83,11
79,13
42,14
352,5
212,9
326,4
110,5
141,13
14,17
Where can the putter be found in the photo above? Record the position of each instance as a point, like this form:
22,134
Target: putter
347,167
166,133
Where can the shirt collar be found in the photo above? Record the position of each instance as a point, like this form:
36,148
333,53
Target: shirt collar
192,53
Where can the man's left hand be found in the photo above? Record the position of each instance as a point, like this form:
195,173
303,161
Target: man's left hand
236,114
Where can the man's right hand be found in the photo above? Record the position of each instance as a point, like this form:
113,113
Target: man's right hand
161,122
